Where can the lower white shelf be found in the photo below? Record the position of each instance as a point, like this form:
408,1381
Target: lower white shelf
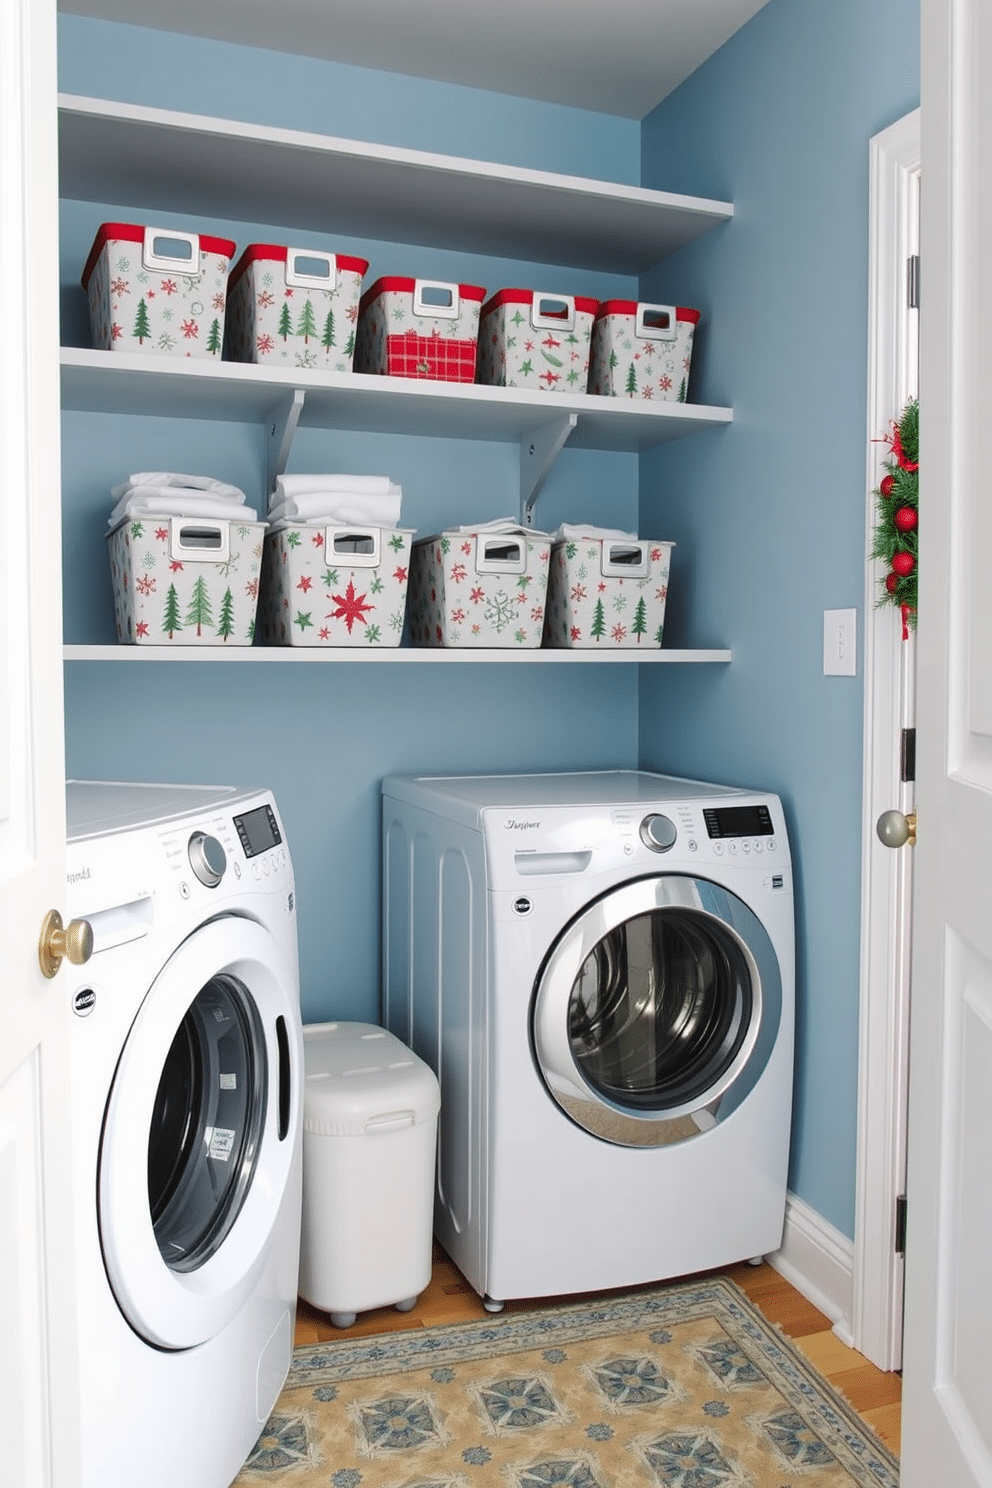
402,654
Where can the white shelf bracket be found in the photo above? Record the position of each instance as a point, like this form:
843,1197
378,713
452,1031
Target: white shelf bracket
538,452
280,430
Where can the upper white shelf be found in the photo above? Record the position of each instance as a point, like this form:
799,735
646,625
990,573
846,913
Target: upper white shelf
220,168
181,387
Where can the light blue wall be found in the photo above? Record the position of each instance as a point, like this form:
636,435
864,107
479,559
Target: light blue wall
323,736
769,514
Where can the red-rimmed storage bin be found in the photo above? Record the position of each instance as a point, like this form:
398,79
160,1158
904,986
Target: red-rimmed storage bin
641,350
419,328
293,307
531,339
157,289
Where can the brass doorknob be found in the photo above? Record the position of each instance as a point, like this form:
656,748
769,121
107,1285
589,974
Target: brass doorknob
74,942
895,829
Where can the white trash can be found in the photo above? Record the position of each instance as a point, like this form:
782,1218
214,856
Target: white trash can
370,1114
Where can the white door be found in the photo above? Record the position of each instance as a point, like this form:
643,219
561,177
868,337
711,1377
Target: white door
37,1340
947,1397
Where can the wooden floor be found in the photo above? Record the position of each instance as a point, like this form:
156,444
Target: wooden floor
449,1299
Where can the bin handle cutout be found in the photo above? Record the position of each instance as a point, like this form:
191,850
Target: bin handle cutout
436,298
550,312
624,560
311,268
357,546
500,554
394,1121
171,252
657,322
208,542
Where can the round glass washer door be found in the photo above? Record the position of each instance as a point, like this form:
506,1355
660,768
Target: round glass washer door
199,1134
656,1011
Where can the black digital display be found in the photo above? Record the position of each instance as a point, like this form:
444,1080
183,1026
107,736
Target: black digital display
738,821
258,831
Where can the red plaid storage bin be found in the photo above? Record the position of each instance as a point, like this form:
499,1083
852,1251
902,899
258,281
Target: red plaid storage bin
419,328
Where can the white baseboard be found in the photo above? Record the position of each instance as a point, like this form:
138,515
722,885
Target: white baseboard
819,1262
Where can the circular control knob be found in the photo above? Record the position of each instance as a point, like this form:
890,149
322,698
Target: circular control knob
207,859
658,832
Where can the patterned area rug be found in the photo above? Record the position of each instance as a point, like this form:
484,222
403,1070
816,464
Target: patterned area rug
683,1387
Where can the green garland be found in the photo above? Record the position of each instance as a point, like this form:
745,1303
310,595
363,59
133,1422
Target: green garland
897,504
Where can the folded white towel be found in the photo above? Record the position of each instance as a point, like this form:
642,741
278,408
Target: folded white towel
303,485
179,505
568,533
340,506
502,524
159,478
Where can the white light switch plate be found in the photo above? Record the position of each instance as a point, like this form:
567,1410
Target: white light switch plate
840,642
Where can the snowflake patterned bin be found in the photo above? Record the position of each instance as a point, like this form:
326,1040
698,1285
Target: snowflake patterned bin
157,290
642,351
293,307
542,341
479,589
334,586
607,593
419,328
185,581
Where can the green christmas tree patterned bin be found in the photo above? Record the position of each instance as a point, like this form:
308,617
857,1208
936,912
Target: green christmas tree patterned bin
293,307
157,291
642,351
184,581
604,593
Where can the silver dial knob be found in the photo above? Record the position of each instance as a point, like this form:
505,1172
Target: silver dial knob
658,832
207,859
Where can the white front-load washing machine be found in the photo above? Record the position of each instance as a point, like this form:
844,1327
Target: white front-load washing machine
599,967
186,1061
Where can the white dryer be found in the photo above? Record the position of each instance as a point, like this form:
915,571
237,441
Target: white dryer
186,1069
599,967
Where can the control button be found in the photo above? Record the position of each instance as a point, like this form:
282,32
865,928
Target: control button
659,833
732,849
718,849
772,844
207,858
184,890
265,867
745,847
628,848
759,846
693,845
256,872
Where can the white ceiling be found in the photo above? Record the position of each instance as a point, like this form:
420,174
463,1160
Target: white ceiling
614,56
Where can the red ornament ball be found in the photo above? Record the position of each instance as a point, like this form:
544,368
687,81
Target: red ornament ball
903,564
892,582
906,519
887,485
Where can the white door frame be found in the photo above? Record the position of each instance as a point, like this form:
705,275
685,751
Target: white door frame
888,692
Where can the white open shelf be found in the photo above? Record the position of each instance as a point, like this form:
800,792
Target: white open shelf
222,168
394,654
122,382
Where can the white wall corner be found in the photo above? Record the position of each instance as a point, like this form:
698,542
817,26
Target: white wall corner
819,1262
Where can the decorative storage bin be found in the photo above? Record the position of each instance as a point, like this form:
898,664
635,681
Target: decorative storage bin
479,589
527,339
154,289
370,1109
293,307
185,581
642,351
334,586
419,328
607,592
